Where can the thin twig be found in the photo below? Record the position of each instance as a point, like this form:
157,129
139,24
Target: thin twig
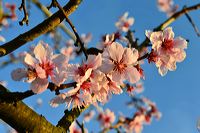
143,57
192,23
25,19
78,39
81,126
42,28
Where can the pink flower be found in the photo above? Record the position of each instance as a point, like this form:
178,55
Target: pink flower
81,73
118,62
106,118
81,94
167,50
124,22
12,8
88,116
107,40
167,6
136,124
43,65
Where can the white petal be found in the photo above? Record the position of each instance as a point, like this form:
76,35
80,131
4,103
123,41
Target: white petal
130,21
60,60
39,85
130,56
116,51
162,70
40,72
58,100
179,42
118,77
156,39
30,60
132,75
107,66
59,77
168,33
19,74
42,53
94,61
180,56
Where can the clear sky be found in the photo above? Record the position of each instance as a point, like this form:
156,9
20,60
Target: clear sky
176,94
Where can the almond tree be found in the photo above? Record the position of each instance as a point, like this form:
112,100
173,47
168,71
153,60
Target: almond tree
111,68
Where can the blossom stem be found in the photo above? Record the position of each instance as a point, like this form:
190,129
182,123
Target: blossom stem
143,57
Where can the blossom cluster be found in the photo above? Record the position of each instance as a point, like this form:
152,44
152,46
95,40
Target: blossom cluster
166,50
103,74
146,110
100,76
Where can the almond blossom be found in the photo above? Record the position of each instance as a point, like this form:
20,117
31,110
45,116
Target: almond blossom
88,116
12,8
166,50
124,22
44,64
106,118
81,94
136,124
118,62
167,6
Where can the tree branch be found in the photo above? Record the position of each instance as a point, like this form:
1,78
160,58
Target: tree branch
48,14
169,21
23,7
47,25
78,39
69,117
24,119
12,97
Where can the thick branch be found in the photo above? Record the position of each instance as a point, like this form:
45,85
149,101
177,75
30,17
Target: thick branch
40,29
69,117
11,97
169,21
24,119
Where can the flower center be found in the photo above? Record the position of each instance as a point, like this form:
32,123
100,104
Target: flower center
86,85
82,69
119,66
107,119
48,67
126,24
167,44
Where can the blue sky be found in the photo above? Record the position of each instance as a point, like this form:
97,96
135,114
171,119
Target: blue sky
176,94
